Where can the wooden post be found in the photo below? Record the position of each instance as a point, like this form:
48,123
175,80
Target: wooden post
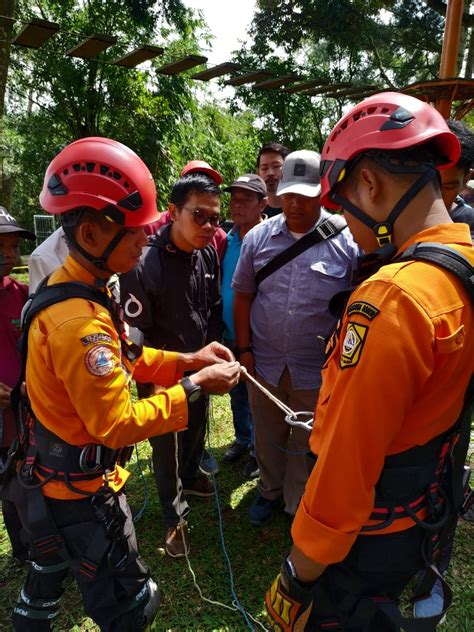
449,53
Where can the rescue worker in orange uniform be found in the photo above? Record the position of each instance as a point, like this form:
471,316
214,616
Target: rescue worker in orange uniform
78,371
385,429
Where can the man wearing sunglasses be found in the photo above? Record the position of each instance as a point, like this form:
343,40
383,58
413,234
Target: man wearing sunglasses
173,296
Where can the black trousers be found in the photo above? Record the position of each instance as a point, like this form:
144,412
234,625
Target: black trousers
10,515
112,598
377,568
190,449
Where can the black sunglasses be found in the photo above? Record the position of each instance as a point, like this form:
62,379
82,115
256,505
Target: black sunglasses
201,217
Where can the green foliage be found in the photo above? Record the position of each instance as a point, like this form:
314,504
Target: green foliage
55,98
358,42
230,143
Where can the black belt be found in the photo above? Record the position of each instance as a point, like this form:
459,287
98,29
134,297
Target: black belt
56,459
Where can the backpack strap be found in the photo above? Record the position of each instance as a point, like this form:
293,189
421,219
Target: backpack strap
444,257
327,229
48,295
45,296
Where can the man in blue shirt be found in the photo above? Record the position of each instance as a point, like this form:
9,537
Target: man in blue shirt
248,198
281,326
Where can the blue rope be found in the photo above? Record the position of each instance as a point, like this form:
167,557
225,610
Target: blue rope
136,517
230,573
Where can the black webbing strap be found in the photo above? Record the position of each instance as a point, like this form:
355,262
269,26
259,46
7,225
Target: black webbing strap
327,229
45,296
418,624
48,295
58,292
446,258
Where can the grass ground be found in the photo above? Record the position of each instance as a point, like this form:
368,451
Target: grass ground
255,555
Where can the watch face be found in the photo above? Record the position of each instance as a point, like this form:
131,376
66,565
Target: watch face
194,396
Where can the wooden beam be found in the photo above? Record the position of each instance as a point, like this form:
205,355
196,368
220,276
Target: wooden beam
452,35
92,46
175,67
328,88
248,77
277,82
36,33
139,55
348,92
299,87
216,71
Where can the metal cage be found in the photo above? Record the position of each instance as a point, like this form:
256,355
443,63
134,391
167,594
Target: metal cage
44,227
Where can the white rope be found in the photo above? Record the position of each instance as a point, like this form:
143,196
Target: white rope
291,417
182,521
179,488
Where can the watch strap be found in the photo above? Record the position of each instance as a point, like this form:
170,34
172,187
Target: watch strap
191,389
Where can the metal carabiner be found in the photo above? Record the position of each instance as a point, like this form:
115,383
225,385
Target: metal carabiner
293,420
83,461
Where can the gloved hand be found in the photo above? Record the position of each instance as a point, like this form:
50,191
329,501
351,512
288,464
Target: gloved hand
289,601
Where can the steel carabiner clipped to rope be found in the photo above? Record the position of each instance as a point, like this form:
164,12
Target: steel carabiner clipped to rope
303,419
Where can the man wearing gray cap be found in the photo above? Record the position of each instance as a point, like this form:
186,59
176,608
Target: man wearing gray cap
281,317
248,199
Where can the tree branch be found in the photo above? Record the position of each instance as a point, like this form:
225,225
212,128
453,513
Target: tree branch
440,7
383,74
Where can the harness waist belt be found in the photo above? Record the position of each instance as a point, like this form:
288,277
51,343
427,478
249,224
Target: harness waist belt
55,458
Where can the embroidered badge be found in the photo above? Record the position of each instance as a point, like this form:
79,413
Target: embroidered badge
100,360
353,344
93,339
363,308
300,169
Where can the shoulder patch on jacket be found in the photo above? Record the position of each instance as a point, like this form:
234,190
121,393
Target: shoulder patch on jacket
363,308
100,360
353,344
92,339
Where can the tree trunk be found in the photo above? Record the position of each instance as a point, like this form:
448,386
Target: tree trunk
7,9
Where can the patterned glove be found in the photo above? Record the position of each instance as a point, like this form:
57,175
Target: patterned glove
289,601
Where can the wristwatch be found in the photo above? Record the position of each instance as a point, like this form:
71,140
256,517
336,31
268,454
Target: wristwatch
290,572
192,390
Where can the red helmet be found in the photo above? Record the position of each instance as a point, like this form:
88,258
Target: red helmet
200,166
388,120
102,174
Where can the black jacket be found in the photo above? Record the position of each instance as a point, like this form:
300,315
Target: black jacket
173,296
463,213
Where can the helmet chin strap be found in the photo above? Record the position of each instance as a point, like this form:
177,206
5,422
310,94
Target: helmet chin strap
383,230
100,262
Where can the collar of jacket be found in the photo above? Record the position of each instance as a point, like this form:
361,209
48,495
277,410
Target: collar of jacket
162,240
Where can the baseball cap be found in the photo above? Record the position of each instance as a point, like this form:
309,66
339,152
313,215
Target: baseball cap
249,181
8,224
300,174
200,166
